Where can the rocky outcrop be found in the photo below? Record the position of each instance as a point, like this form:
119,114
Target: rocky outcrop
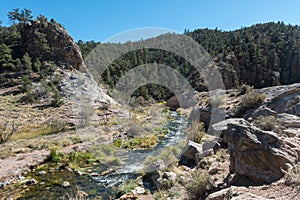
53,42
288,120
284,99
83,93
234,193
259,155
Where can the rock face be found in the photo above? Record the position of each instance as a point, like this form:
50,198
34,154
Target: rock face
259,155
62,48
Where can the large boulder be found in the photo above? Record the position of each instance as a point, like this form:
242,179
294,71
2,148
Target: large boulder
194,152
258,155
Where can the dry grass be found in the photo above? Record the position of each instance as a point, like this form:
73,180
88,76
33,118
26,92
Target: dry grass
31,132
267,123
196,132
197,185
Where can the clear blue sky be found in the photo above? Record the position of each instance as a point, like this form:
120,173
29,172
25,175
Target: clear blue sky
100,19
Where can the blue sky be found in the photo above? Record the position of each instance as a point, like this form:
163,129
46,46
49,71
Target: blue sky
100,19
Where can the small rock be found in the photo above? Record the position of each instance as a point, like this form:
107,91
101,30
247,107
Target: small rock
21,178
138,190
156,166
3,184
73,76
68,169
66,184
214,168
170,176
94,174
42,172
31,182
141,183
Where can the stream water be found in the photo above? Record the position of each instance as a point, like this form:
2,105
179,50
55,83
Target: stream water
106,186
134,160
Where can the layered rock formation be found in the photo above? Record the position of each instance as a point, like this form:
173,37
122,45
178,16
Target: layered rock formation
62,48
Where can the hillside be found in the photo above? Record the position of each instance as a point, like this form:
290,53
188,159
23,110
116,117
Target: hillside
261,55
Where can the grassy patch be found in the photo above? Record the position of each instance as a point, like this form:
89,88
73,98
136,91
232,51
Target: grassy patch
128,186
73,159
106,154
145,142
222,155
32,132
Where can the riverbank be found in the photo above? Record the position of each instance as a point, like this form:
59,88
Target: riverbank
19,165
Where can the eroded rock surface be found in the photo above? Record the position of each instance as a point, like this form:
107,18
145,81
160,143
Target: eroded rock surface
259,155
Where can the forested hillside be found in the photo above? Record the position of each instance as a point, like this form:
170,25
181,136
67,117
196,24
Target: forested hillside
261,55
30,52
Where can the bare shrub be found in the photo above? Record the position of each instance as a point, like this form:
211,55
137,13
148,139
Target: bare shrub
244,89
7,130
197,185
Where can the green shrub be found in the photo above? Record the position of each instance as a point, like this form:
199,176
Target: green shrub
54,156
250,101
27,98
267,123
197,185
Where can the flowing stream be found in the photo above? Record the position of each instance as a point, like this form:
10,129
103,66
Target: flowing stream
134,160
106,185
